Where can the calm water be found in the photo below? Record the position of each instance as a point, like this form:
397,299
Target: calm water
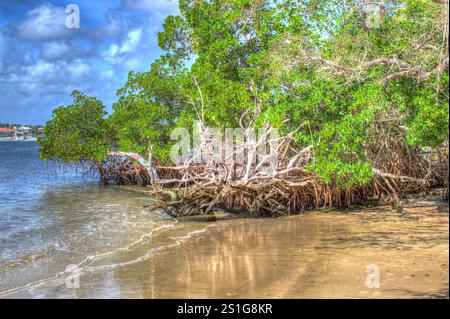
116,248
50,219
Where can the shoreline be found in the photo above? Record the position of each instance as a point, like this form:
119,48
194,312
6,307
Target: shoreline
316,254
436,193
313,255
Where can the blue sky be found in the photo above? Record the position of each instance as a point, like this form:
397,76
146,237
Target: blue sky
42,61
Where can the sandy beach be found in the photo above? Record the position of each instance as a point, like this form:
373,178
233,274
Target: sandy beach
325,254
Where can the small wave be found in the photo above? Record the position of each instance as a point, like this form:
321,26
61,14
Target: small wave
83,262
151,252
28,258
126,248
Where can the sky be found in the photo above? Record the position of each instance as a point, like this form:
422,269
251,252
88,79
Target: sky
42,60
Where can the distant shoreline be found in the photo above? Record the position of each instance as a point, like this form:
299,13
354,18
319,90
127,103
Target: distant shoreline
31,140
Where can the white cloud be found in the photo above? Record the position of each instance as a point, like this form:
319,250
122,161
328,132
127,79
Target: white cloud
129,45
107,73
41,61
77,69
132,40
55,50
111,53
46,22
44,73
62,50
40,70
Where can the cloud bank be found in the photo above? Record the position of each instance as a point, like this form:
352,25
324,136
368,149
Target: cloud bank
42,61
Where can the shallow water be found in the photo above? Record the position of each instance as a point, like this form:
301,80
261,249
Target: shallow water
50,219
118,249
318,255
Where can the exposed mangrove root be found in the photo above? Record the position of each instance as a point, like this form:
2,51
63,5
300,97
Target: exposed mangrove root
122,168
268,188
275,182
288,193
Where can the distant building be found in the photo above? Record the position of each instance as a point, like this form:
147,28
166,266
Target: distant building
23,132
19,133
7,132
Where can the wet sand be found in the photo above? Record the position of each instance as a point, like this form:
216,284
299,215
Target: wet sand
318,255
315,255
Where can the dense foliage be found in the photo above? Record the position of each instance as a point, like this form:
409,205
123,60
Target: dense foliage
78,132
348,74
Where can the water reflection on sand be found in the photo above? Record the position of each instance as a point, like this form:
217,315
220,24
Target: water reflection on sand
311,256
317,255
